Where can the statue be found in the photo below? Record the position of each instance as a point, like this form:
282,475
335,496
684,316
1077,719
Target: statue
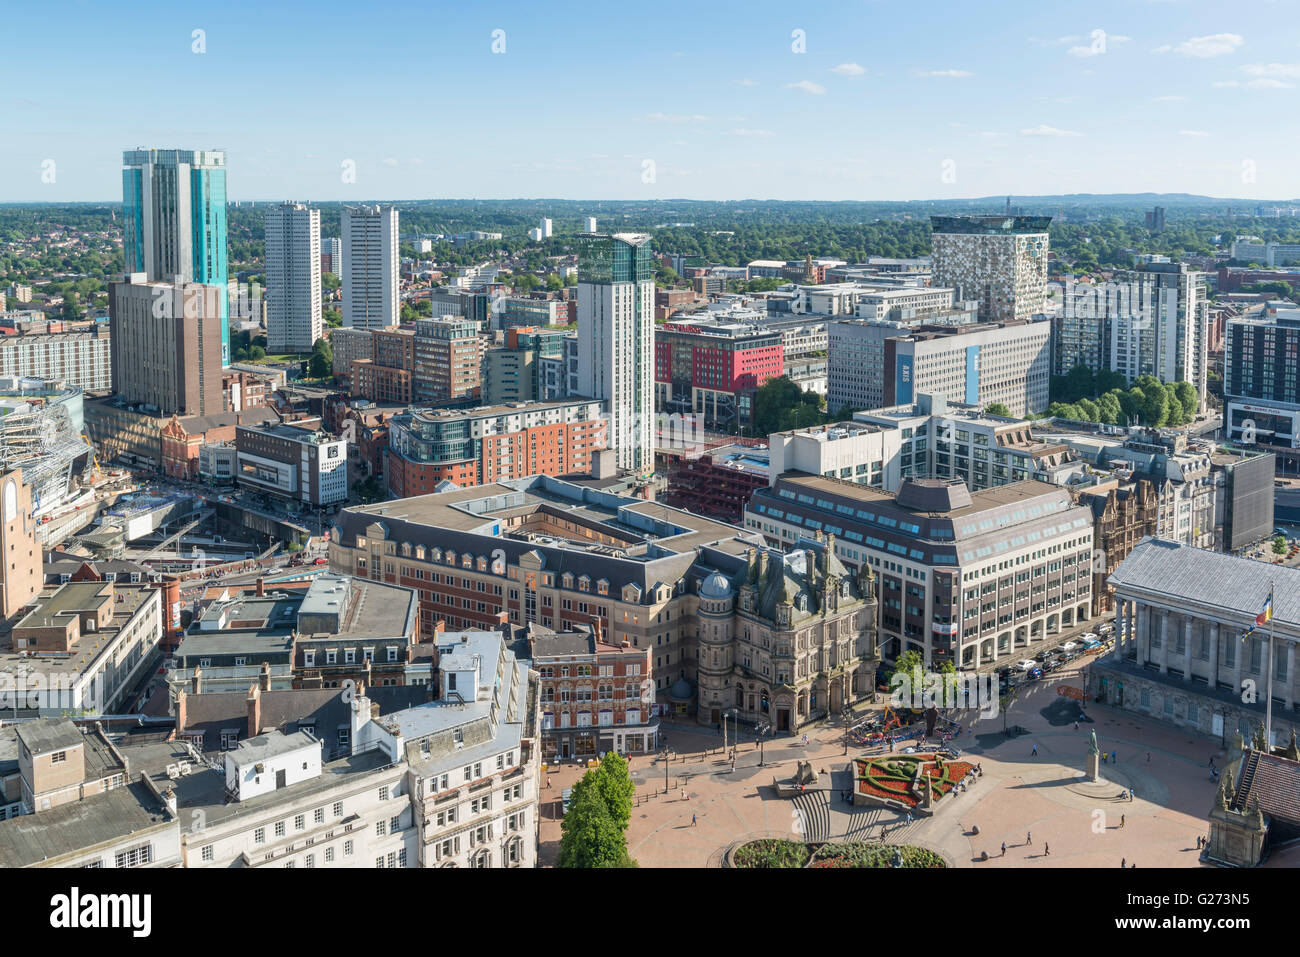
1092,744
1093,769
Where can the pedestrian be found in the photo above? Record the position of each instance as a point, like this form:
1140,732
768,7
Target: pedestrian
683,794
1122,822
1034,753
1130,794
1047,850
1123,862
1103,757
805,740
548,780
1148,757
1114,757
1029,839
692,820
1076,724
1211,760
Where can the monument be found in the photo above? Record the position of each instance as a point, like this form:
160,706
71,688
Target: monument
1094,758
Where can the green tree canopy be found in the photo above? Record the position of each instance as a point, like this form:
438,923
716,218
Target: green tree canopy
997,408
593,829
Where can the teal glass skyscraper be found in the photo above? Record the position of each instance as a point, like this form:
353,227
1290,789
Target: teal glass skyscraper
174,217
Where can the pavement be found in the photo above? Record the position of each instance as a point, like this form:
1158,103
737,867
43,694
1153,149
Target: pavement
1041,806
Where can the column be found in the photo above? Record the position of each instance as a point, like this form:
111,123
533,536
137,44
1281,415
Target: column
1187,642
1214,655
1290,674
1165,634
1239,650
1143,626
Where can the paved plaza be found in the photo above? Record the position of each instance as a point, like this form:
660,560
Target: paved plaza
1040,806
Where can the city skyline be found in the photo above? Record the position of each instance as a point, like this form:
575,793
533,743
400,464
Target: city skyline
966,103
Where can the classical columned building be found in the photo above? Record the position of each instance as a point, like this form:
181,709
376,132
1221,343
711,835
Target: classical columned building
1182,653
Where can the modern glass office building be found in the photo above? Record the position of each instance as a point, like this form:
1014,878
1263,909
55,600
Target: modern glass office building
174,213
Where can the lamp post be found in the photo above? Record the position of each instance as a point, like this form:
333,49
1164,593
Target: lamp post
760,731
667,756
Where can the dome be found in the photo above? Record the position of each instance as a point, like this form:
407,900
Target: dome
716,587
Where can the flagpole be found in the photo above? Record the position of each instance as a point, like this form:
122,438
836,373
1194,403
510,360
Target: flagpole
1268,702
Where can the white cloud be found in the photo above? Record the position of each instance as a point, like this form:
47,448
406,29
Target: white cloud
1193,133
1217,44
848,69
1044,130
1262,83
747,132
955,74
1289,70
676,118
807,86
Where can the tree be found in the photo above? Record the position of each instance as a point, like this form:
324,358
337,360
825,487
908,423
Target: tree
321,363
329,282
594,828
779,404
997,408
1109,407
1279,545
616,787
256,352
1187,396
72,310
553,282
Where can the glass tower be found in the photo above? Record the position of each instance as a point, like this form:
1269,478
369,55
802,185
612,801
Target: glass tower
174,218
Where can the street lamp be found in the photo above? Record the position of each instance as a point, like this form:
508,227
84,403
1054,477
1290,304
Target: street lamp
667,756
761,729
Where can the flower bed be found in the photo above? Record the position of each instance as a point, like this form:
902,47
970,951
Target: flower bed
890,777
772,853
874,855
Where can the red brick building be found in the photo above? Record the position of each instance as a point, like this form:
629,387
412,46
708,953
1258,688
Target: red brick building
596,697
483,445
713,368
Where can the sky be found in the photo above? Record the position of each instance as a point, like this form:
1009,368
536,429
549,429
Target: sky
860,100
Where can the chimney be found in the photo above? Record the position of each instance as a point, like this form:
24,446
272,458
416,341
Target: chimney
254,711
182,713
264,680
261,586
762,567
196,682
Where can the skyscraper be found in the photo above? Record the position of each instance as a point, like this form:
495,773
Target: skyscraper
1000,261
370,287
331,255
293,315
616,329
164,344
174,219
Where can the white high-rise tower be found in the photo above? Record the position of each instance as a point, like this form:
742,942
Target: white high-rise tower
370,286
616,341
293,309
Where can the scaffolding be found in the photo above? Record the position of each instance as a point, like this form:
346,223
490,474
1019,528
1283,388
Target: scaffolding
39,437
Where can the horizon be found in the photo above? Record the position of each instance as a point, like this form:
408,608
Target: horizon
338,101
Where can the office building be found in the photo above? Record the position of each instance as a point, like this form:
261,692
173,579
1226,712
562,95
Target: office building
166,344
512,372
589,224
874,364
712,368
349,345
293,285
370,261
546,227
93,642
1155,219
616,341
1261,377
82,358
448,361
1000,261
965,577
794,635
289,462
1253,250
331,255
387,374
429,446
1153,320
174,220
605,684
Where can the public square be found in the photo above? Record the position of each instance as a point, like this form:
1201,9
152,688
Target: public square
1040,805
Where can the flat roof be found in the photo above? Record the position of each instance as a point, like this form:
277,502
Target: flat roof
80,825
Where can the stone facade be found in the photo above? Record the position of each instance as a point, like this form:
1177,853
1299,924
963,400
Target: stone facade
793,641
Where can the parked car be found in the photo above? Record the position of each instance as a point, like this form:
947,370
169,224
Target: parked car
565,797
1069,646
1033,674
1025,664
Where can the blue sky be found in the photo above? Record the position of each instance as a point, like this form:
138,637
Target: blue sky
888,101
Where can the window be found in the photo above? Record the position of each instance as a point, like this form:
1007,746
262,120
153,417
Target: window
58,757
299,822
207,852
347,848
259,836
279,828
329,855
383,793
338,808
381,828
134,857
319,816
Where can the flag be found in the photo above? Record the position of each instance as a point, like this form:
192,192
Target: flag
1266,613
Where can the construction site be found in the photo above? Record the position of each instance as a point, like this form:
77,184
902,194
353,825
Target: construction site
41,433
